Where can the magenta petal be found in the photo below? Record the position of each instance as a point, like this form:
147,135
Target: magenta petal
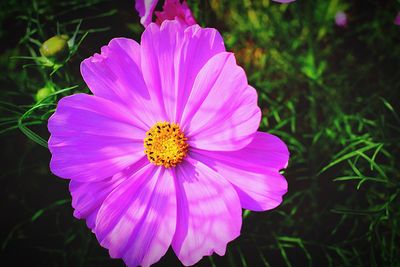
137,220
221,112
160,46
171,59
198,46
87,197
189,19
253,170
92,138
91,218
209,212
145,9
174,9
115,74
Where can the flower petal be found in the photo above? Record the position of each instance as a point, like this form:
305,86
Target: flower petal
115,74
253,170
174,9
92,138
221,112
145,9
209,212
171,58
137,220
87,197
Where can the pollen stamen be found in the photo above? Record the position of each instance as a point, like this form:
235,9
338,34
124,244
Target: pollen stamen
164,147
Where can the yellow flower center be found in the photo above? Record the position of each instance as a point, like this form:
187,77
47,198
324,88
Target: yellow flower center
165,144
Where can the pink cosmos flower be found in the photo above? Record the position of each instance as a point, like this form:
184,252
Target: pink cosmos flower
166,151
172,9
341,19
397,19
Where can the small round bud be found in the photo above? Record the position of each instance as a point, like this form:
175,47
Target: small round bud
55,48
44,92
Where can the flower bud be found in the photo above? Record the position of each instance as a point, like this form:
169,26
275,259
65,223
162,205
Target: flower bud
44,92
55,48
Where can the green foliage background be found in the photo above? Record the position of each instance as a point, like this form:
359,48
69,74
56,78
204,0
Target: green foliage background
331,93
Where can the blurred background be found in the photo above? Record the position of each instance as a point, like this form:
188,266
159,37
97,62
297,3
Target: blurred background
328,77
